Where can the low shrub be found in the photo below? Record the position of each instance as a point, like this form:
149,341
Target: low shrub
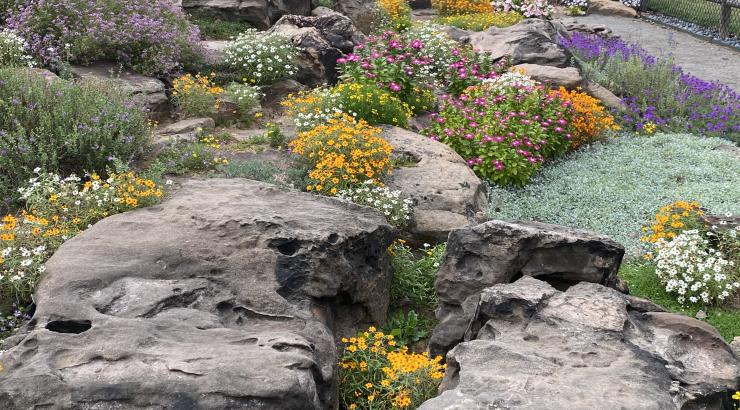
367,102
591,120
188,157
615,188
341,154
247,98
436,44
394,207
395,14
63,127
658,94
13,50
528,8
375,373
481,21
151,36
309,109
216,28
408,328
196,95
57,209
458,7
414,274
503,129
261,58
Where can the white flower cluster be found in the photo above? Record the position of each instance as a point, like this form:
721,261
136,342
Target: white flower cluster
528,8
576,3
689,267
632,3
13,50
325,108
515,79
396,209
96,192
262,58
246,96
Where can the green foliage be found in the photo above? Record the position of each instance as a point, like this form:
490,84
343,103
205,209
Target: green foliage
191,157
261,58
247,97
252,169
414,274
408,328
216,28
12,50
615,188
644,283
275,137
370,103
64,127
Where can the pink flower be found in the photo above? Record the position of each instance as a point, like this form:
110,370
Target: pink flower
394,87
417,44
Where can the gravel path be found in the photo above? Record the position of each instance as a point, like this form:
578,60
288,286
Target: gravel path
698,57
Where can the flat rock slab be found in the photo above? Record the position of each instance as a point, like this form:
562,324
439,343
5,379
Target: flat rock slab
447,194
534,347
223,296
611,8
147,90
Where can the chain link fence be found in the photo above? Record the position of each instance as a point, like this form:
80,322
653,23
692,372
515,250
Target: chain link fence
720,15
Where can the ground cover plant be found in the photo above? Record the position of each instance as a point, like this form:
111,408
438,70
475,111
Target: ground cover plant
216,28
506,128
13,50
151,37
617,187
414,274
395,208
63,127
658,94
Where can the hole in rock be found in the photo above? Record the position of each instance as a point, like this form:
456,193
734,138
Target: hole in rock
69,326
287,247
333,238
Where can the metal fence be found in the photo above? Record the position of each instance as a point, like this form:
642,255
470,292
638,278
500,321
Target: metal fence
720,15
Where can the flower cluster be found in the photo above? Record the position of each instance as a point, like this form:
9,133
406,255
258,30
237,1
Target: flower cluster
261,58
13,50
694,270
392,62
199,156
655,91
196,96
309,109
396,209
481,21
518,80
583,4
528,8
375,373
458,7
436,44
671,220
342,153
396,12
152,37
57,209
247,98
504,132
632,3
590,119
367,102
10,323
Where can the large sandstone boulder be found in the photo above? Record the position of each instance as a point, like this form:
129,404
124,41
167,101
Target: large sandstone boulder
533,41
478,257
322,40
611,8
260,13
534,347
224,296
147,90
446,193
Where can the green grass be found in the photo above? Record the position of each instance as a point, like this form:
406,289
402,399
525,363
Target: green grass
644,283
701,12
215,28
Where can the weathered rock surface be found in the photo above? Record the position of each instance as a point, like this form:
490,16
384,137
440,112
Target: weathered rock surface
322,41
533,41
598,29
611,8
274,93
568,77
224,296
362,12
456,33
607,98
494,252
534,347
185,130
146,90
260,13
446,193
